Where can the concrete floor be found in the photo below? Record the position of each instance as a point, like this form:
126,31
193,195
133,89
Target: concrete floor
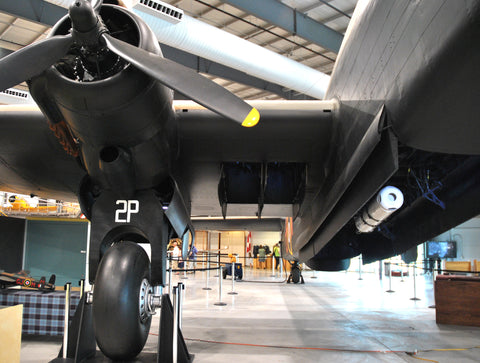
334,317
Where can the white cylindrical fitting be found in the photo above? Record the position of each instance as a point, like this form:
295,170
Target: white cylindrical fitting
387,201
204,40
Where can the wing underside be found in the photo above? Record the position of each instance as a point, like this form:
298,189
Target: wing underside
233,171
32,161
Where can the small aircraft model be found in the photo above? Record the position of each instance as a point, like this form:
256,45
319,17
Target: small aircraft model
23,279
388,160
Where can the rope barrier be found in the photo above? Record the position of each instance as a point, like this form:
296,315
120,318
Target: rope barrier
412,354
217,263
437,270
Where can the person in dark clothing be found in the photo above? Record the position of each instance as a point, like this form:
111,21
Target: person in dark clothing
255,251
261,257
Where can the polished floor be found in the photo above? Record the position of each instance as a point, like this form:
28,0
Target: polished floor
333,317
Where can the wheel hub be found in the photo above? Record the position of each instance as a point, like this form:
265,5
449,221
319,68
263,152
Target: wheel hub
148,301
144,301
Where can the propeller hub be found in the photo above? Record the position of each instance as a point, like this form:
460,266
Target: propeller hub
87,25
83,16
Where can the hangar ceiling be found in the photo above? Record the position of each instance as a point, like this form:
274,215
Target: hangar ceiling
307,31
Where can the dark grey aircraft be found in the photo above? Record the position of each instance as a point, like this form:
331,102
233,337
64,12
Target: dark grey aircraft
403,112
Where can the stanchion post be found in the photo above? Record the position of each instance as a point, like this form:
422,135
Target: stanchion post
389,276
67,288
175,325
273,265
170,285
414,284
233,280
184,277
433,283
208,272
218,259
313,276
82,287
181,295
433,275
360,267
220,277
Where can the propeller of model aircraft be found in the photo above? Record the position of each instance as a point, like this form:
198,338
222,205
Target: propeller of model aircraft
89,31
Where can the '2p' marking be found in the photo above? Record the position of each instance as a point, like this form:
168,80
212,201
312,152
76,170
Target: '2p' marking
126,209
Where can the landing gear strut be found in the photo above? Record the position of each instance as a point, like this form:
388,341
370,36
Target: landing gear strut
123,299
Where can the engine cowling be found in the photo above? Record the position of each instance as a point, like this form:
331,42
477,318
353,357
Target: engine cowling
136,116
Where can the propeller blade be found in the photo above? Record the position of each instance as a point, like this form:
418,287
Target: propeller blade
96,4
186,81
32,60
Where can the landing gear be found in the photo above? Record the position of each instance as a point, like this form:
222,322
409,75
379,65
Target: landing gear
121,271
295,274
120,306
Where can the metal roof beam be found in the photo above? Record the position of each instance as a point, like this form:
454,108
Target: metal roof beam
46,13
291,20
39,11
203,65
206,66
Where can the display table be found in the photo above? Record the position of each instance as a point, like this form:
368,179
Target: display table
43,312
456,300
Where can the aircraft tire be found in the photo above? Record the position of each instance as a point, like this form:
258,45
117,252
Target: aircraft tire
295,275
119,330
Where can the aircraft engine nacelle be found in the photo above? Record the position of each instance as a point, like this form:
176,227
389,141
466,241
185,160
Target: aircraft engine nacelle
136,116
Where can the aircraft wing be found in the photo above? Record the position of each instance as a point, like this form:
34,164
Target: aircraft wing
293,134
33,161
7,278
31,158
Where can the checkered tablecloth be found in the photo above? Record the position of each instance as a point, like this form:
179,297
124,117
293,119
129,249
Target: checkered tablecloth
43,313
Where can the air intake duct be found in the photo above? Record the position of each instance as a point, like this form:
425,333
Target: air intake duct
387,201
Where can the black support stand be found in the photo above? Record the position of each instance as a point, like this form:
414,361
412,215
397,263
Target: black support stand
165,336
81,338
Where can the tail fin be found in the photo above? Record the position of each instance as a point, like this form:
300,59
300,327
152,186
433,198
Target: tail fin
52,280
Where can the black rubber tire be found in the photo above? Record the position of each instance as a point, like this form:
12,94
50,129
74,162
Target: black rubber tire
295,275
119,331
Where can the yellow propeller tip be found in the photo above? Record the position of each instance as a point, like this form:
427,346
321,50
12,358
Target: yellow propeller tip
252,118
